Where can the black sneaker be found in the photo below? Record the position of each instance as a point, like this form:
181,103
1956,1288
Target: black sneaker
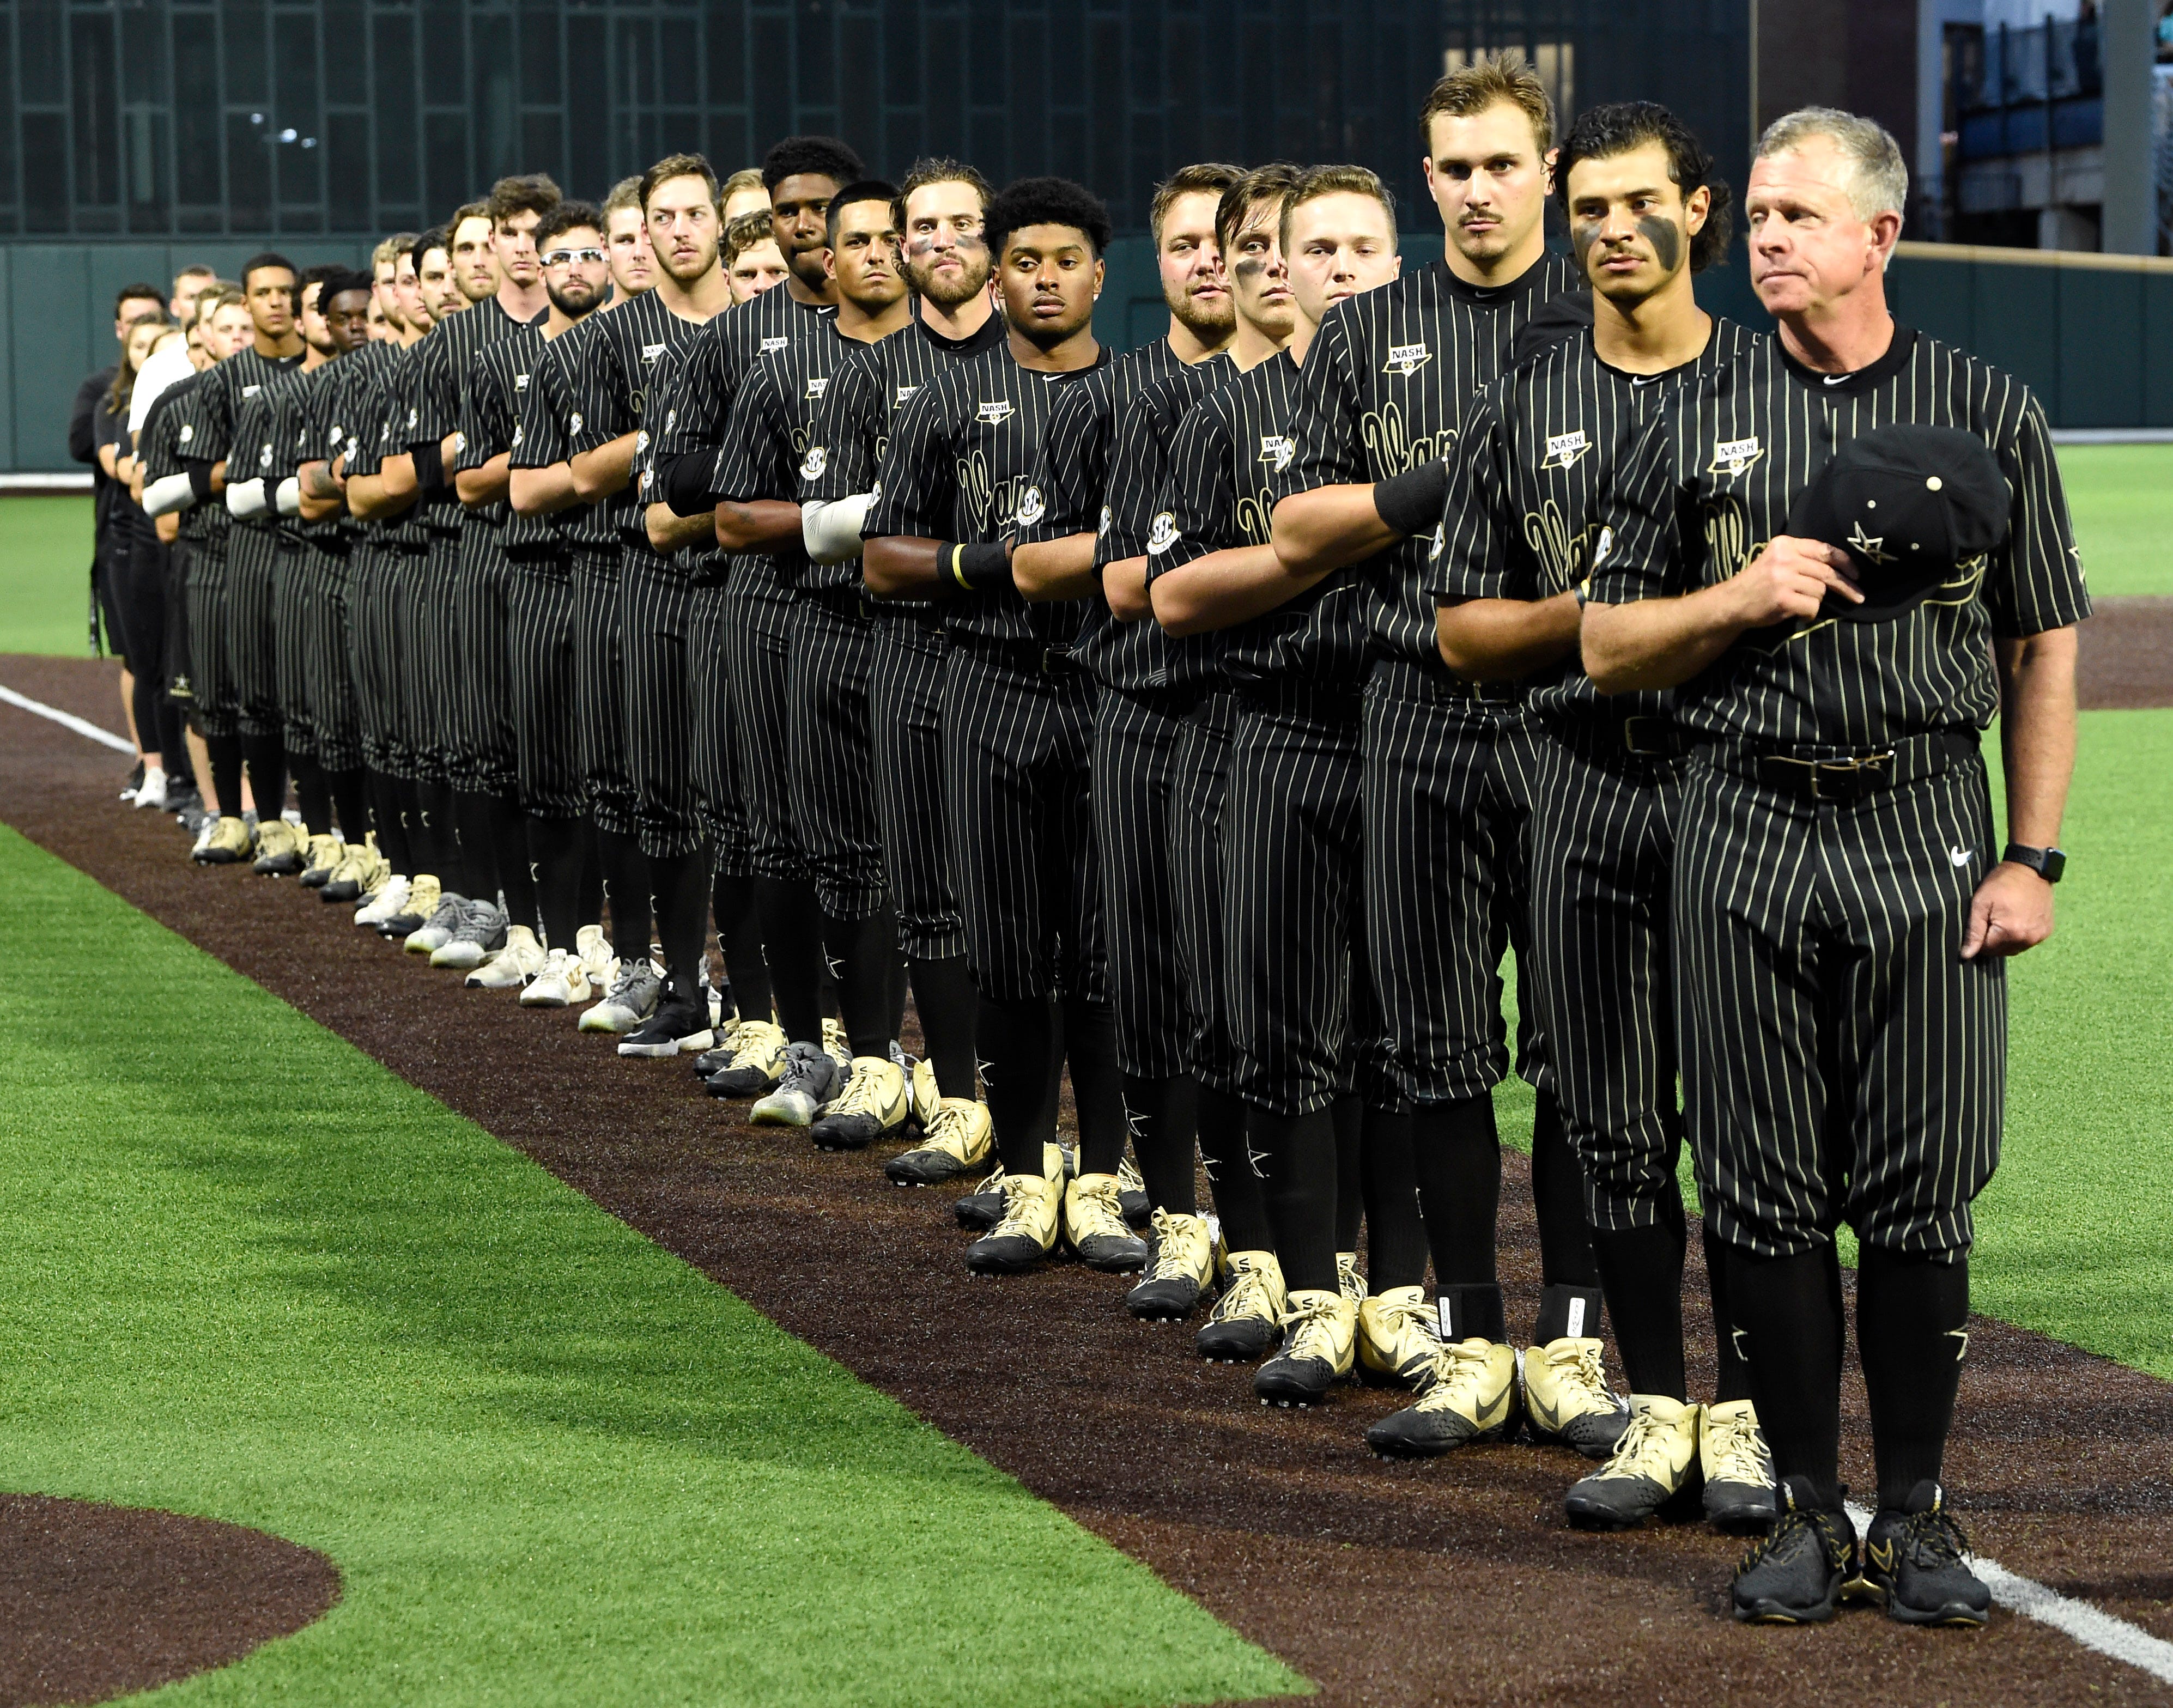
1917,1561
1795,1573
681,1022
981,1208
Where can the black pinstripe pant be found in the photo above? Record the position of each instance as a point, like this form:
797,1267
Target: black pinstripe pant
174,665
832,769
297,587
1840,1062
252,574
1200,770
1016,741
599,691
541,661
371,658
1302,1015
719,796
211,671
334,715
905,737
1447,792
406,566
655,603
432,674
758,642
482,755
1602,854
1135,785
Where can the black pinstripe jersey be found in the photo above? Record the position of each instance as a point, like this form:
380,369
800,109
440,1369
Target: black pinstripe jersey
440,376
961,457
249,456
1711,482
499,376
1527,476
1140,656
545,414
309,416
605,369
383,417
767,439
1218,494
228,389
1070,479
852,427
1386,381
171,427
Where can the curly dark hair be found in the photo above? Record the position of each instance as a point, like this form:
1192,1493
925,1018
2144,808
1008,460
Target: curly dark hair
1046,202
564,218
820,157
1619,127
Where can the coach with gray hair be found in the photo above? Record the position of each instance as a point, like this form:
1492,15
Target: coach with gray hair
1847,552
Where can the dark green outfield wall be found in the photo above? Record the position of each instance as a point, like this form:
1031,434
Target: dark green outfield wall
2092,334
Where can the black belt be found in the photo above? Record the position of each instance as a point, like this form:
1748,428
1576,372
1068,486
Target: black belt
1029,657
1816,775
1641,735
849,602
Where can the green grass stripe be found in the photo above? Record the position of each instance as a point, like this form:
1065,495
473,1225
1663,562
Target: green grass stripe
44,575
250,1274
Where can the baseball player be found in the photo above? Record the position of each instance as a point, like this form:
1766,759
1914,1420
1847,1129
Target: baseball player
1445,786
1844,551
1062,514
1017,715
1527,478
941,208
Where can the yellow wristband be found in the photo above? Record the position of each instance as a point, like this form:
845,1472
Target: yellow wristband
958,567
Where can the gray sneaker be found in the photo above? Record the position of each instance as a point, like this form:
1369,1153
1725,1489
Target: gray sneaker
631,999
480,930
436,931
810,1075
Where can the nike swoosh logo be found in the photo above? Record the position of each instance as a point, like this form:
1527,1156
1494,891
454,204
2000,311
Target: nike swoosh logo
1960,856
1836,378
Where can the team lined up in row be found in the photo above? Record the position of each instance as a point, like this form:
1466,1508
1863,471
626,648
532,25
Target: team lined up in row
1207,722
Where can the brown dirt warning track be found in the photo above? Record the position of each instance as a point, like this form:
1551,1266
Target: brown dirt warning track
1454,1581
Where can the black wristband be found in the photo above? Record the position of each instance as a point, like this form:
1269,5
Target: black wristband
430,457
1412,501
976,568
199,474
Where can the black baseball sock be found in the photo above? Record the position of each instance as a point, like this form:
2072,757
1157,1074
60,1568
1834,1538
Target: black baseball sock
1911,1330
945,1001
1395,1231
1298,1162
1566,1258
386,819
626,887
792,944
477,836
516,877
1097,1088
312,795
267,760
864,951
1458,1159
1642,1270
1732,1379
435,806
682,883
1349,1115
1164,1116
350,794
1788,1311
1235,1182
739,935
1018,1042
589,890
226,771
557,851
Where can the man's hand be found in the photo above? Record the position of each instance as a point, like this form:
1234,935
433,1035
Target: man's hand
2012,911
1791,578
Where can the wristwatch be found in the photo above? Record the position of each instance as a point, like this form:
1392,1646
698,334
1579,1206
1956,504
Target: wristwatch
2048,863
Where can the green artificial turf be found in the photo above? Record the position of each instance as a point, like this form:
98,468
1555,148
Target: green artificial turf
249,1274
44,575
2120,497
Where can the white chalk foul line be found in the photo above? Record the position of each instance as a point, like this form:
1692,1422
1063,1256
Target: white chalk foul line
2093,1627
67,720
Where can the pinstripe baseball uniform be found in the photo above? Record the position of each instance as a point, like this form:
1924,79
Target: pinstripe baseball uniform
907,644
1301,1025
167,445
1017,716
823,765
595,379
1840,1062
1527,477
252,551
1446,788
378,578
1151,686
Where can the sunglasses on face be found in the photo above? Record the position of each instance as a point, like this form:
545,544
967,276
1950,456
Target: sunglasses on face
567,257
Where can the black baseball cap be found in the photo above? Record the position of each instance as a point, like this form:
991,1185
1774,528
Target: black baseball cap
1910,505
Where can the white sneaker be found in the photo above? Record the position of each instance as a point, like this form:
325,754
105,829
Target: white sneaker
384,904
593,949
151,790
562,982
519,961
204,836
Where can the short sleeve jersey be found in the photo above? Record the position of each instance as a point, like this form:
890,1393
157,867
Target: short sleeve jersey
163,445
602,376
546,413
961,458
228,389
309,417
766,442
1527,476
442,368
852,428
1219,495
381,414
1386,380
1712,481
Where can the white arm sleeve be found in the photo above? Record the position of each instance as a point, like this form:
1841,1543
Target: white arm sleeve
831,529
290,496
171,492
246,497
